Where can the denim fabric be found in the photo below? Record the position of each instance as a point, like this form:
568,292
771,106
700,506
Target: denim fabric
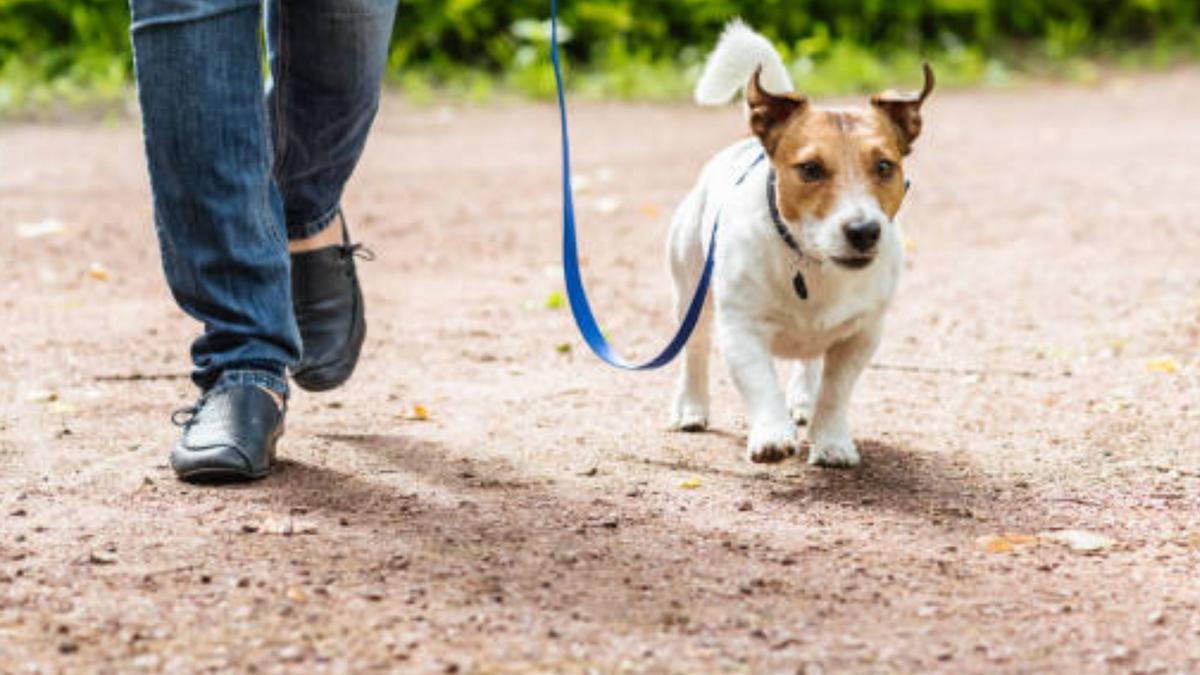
234,174
275,381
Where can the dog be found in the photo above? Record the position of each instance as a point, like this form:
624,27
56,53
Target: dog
808,252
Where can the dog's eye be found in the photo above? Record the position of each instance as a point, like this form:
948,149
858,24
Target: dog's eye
885,168
811,172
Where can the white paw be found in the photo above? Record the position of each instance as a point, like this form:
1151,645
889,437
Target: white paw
838,452
771,443
689,415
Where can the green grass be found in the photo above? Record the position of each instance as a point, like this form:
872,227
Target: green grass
98,83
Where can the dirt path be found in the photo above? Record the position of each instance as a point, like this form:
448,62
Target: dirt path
536,521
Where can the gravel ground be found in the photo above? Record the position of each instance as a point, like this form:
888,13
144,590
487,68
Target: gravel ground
1040,374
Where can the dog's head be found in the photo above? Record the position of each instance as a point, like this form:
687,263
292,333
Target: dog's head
839,172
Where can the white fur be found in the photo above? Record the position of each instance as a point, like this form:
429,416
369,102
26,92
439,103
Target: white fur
739,51
758,315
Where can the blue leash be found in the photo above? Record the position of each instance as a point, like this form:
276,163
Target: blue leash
580,307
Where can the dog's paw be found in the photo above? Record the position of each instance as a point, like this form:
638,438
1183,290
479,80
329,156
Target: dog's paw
771,444
689,416
835,453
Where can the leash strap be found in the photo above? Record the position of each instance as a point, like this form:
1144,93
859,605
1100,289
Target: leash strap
580,307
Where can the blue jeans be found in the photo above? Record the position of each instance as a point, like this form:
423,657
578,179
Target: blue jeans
234,174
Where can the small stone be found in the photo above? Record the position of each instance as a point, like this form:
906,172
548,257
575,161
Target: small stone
745,505
1157,618
103,558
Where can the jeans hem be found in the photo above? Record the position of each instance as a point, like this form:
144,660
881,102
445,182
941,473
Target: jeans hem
314,226
257,378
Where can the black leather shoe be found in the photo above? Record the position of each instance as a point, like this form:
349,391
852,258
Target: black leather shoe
229,435
329,310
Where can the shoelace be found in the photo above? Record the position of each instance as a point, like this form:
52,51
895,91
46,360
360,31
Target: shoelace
357,251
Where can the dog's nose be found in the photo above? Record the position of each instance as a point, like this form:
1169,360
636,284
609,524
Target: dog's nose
862,234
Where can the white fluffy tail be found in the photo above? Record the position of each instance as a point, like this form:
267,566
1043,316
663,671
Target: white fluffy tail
739,51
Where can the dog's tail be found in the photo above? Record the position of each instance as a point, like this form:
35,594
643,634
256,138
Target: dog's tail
737,54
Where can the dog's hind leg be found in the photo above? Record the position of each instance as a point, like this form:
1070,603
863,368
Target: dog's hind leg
802,389
685,253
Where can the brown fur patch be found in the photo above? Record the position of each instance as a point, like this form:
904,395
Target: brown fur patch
849,145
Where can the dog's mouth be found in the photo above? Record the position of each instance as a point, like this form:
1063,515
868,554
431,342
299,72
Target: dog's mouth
855,263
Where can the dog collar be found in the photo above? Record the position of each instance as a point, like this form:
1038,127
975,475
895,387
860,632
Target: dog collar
781,227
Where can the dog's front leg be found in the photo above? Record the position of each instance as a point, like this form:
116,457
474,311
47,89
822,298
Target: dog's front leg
772,432
829,432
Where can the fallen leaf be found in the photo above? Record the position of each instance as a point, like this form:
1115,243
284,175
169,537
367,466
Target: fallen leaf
1162,364
650,210
555,300
563,347
1006,543
99,272
690,484
419,413
1079,540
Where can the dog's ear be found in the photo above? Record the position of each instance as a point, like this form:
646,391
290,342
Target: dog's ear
769,112
904,109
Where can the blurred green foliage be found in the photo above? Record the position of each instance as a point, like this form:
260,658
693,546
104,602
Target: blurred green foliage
61,51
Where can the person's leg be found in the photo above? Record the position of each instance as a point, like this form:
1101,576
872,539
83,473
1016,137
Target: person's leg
218,215
327,59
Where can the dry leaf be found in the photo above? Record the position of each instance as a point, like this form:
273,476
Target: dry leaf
1162,364
563,347
555,300
1005,543
99,272
690,484
419,413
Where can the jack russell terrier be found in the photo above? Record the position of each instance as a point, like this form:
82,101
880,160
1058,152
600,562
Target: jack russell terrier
808,253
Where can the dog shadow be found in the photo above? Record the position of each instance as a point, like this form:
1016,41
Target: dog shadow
895,477
942,489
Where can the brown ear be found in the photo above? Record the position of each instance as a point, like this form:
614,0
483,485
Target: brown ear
769,112
904,109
